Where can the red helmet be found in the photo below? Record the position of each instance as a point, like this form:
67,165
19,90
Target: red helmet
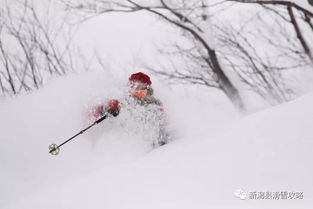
140,77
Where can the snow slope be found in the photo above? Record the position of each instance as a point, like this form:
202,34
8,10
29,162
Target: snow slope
215,153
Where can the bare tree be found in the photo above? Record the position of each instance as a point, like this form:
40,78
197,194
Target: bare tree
282,30
33,46
190,18
268,48
290,6
263,75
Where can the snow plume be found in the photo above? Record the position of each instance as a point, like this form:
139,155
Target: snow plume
51,115
136,123
30,123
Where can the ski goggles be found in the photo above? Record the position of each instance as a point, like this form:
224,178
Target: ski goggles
140,93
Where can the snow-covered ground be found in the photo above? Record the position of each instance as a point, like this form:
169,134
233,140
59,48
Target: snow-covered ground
215,152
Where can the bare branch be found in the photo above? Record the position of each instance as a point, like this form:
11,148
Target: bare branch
282,3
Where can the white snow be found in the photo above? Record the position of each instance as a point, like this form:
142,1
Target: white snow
216,152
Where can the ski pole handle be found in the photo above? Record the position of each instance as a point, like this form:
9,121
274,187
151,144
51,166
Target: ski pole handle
101,119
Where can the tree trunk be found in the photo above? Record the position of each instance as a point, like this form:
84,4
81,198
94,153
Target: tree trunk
300,37
225,83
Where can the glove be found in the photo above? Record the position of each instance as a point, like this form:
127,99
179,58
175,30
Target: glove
113,107
98,111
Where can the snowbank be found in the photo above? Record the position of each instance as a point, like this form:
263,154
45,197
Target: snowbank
215,152
32,122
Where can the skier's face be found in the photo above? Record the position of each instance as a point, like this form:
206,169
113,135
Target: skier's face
140,94
138,90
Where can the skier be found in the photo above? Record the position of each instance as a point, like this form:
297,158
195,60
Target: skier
141,104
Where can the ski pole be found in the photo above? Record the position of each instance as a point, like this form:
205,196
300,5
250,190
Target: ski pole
54,149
